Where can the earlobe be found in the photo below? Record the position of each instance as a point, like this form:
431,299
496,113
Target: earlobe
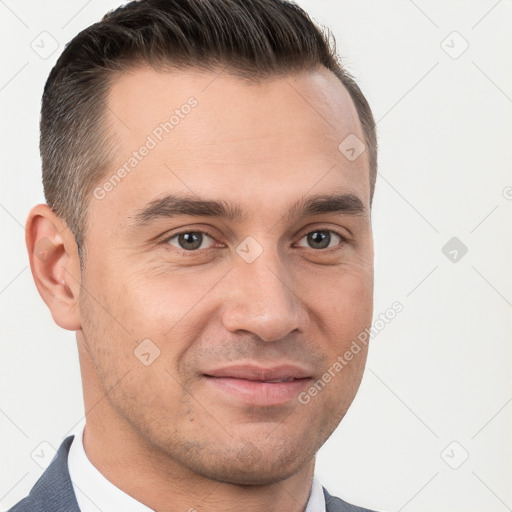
55,265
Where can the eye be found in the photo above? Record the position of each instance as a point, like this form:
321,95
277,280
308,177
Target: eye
189,240
322,239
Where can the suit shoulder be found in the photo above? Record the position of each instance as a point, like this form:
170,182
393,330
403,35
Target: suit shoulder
335,504
53,491
25,505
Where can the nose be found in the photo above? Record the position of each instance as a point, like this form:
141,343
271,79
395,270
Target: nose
261,298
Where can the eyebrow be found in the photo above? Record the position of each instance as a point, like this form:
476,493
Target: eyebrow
173,205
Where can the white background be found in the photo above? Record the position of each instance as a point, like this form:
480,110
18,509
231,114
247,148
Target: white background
440,371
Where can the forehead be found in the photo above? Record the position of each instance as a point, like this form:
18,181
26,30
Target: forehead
212,135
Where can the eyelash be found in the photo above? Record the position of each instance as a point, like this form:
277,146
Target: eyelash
165,242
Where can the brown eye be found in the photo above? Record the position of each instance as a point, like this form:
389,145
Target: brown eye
189,240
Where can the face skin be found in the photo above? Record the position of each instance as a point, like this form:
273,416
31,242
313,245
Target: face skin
165,433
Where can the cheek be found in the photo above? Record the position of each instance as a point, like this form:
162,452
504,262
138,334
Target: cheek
344,312
166,296
171,311
343,301
133,303
131,359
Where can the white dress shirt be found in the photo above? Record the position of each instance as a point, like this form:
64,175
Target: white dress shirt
95,493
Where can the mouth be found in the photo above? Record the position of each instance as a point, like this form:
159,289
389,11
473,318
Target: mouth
259,386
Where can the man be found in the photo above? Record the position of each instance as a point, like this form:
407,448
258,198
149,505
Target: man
209,169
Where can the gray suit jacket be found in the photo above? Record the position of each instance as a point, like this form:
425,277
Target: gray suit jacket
53,492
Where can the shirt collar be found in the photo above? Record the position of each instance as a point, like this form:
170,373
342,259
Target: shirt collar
96,493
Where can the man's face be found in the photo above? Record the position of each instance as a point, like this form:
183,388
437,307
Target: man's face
227,303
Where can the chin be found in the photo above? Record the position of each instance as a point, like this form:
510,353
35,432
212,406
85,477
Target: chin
247,464
244,474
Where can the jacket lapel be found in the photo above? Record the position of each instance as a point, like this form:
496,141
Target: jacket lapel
53,492
334,504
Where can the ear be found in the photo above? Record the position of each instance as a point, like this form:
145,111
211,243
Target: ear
55,266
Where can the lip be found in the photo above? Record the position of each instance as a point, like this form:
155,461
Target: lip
260,373
251,384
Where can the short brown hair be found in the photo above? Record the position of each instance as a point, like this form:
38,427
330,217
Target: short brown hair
251,39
